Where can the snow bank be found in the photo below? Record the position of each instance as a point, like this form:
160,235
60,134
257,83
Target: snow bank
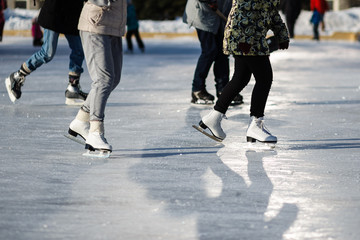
19,19
337,21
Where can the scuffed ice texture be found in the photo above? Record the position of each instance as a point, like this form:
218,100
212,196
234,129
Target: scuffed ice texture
165,180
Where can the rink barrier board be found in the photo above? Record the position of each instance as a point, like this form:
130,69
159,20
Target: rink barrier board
349,36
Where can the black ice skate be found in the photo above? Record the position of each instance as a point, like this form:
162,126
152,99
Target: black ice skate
73,94
238,99
13,85
202,97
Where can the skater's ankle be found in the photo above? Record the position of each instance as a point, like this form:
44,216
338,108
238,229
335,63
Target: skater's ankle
97,126
74,78
24,70
83,116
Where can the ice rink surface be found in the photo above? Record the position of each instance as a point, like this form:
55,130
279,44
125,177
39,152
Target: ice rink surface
164,179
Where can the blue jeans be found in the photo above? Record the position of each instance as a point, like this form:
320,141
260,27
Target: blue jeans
211,52
48,50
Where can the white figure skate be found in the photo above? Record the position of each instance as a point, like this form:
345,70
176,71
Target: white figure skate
212,121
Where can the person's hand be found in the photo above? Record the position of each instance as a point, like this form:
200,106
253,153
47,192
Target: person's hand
244,47
284,45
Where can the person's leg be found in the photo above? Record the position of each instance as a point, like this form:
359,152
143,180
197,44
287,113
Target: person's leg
81,124
221,64
76,55
99,56
128,40
209,51
103,55
47,51
290,22
73,94
117,51
260,66
2,23
240,79
138,40
16,79
316,31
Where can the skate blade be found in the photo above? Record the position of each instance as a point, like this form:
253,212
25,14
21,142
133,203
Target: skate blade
234,104
97,154
8,88
75,139
260,146
74,102
200,129
202,102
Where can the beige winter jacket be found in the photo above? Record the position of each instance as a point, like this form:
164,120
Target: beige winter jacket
105,20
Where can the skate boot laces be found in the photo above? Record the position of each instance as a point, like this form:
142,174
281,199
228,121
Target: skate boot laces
260,124
102,136
19,79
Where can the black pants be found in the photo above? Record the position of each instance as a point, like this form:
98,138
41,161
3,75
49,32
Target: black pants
129,34
245,66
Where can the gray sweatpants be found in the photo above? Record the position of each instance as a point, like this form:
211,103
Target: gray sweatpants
104,58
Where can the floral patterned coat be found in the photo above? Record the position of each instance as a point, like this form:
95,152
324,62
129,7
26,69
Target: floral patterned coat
249,22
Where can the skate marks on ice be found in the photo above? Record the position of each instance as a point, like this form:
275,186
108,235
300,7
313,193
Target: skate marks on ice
207,192
92,153
254,146
322,144
97,153
259,146
75,139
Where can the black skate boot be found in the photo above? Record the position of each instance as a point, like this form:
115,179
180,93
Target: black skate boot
73,93
14,83
202,97
238,99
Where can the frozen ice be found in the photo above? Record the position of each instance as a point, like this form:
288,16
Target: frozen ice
165,180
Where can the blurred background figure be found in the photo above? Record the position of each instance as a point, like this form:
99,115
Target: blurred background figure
204,16
36,33
132,24
3,6
318,7
291,9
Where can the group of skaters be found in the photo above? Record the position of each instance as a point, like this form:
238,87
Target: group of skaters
96,36
94,32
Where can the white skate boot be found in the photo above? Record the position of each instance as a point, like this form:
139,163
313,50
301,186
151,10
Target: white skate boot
96,143
212,121
79,126
258,132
